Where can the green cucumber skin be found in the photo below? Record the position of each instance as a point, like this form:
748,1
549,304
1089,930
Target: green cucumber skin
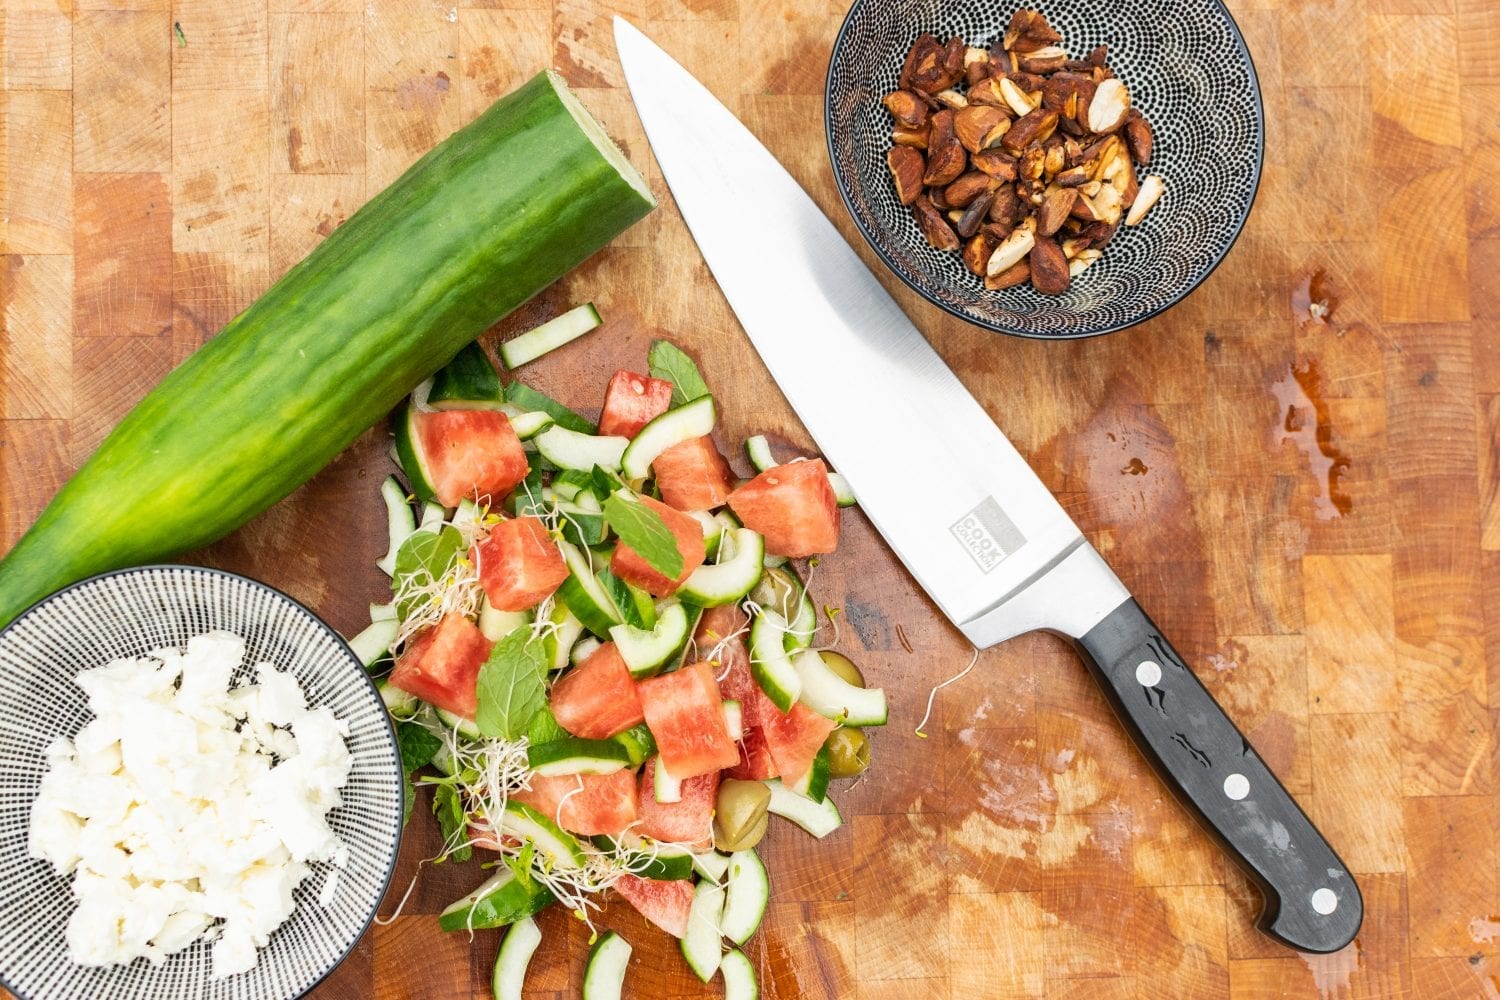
479,225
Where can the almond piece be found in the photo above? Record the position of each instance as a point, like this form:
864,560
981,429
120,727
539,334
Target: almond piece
1073,247
1054,210
1098,234
1047,59
1028,31
1027,82
1031,128
1139,138
953,99
937,67
974,123
939,234
997,163
993,137
968,187
1015,246
1005,206
909,110
1081,263
916,56
1055,160
1072,177
1099,56
968,224
1108,106
1062,88
977,252
906,168
1015,97
988,92
1107,204
1033,162
1049,268
1151,191
945,155
916,138
1018,274
1083,207
997,231
976,65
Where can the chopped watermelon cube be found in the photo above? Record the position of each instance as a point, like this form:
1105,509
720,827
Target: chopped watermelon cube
519,564
631,402
607,804
598,698
684,711
693,475
756,763
794,738
793,506
630,566
688,821
663,902
470,453
441,665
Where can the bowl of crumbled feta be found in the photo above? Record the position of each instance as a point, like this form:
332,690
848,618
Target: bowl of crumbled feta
200,791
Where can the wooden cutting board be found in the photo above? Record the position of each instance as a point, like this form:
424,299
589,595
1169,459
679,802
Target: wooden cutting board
1309,505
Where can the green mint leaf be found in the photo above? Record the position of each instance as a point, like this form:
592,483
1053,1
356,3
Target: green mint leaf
512,685
418,745
449,807
543,728
667,361
643,530
521,864
528,398
428,556
408,799
605,482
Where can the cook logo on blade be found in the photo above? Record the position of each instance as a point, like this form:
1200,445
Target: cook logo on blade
987,534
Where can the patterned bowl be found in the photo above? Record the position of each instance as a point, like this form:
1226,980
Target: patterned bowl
130,613
1187,69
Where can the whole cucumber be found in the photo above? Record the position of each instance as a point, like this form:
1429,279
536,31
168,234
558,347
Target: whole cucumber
484,221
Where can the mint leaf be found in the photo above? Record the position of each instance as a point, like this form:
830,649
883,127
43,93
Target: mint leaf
426,556
667,361
528,398
643,530
543,728
520,865
512,685
452,821
418,745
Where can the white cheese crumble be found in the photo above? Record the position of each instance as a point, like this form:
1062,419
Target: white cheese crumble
188,809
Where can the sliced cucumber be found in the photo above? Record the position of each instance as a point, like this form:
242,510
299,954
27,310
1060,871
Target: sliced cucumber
530,423
644,651
739,977
468,382
466,727
817,818
497,624
409,453
758,451
383,612
663,862
585,595
711,865
543,728
433,516
781,590
664,788
515,955
569,483
713,530
843,493
713,584
690,420
769,663
465,514
374,643
773,561
571,450
701,945
400,522
524,396
520,820
583,649
549,336
832,697
576,756
638,742
814,783
580,525
734,718
501,900
637,606
401,704
604,975
747,891
558,641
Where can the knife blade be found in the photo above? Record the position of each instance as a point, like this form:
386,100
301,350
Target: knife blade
993,548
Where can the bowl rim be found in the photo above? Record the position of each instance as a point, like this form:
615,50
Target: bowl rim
888,260
317,620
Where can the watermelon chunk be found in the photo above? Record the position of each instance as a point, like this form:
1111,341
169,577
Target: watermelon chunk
519,564
608,803
441,665
664,903
693,475
794,738
689,821
684,711
630,566
469,453
598,698
756,763
631,402
793,506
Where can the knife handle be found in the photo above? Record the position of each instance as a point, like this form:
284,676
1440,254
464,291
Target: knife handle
1311,900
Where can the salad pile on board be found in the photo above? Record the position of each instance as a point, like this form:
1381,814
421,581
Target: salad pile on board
602,657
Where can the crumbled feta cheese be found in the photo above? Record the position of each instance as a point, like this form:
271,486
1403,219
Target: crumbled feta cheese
187,809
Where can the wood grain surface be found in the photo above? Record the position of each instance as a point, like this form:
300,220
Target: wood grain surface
1310,506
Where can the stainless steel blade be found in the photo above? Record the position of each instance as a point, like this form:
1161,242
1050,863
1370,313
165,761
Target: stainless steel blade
942,484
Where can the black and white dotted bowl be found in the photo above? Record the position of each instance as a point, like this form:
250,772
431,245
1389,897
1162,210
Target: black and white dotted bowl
1187,68
130,613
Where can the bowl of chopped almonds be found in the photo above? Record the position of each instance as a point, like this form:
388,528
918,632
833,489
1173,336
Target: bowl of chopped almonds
1053,173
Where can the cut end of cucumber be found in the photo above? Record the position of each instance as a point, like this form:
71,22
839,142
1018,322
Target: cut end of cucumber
600,138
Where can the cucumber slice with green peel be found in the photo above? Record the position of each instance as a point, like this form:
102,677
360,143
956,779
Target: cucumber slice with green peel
713,531
529,424
817,818
373,644
502,900
739,976
383,612
774,561
781,590
711,865
400,522
559,639
734,718
843,493
521,395
580,525
665,788
758,451
522,821
814,784
747,891
769,663
515,955
638,743
569,483
583,649
401,704
690,420
571,450
497,624
604,975
549,336
433,516
576,756
637,606
585,595
832,697
543,728
663,862
701,945
465,727
467,513
468,382
409,453
644,651
713,584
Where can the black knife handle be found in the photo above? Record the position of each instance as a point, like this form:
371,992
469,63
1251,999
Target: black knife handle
1311,900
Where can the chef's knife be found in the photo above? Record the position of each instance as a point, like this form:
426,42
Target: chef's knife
993,547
